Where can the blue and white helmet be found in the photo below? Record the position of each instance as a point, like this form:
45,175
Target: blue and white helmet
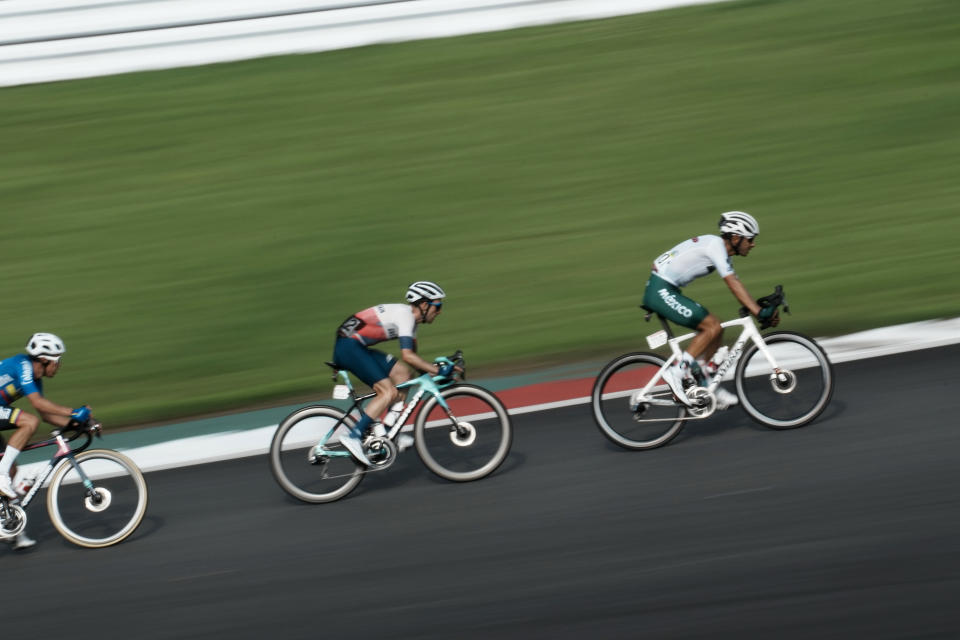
424,290
738,222
45,345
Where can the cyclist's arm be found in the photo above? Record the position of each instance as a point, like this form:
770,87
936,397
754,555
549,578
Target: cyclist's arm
740,293
411,358
51,412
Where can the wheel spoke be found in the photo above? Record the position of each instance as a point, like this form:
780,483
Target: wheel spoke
793,394
303,471
475,445
656,420
108,513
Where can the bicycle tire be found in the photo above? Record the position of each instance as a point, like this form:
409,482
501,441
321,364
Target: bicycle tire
653,426
66,495
483,434
295,436
797,397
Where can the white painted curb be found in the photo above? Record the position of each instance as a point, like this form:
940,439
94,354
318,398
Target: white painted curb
256,442
50,40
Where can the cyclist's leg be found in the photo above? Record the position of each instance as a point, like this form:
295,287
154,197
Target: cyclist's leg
399,373
708,339
373,368
669,302
26,425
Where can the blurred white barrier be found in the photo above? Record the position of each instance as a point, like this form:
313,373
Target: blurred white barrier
49,40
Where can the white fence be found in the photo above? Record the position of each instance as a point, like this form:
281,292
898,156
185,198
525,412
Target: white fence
49,40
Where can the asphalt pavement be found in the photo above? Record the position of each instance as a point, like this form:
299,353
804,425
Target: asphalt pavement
845,528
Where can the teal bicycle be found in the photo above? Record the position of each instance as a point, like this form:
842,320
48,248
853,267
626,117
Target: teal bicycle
462,432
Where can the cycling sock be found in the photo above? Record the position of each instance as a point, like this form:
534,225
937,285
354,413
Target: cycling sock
6,462
689,363
362,425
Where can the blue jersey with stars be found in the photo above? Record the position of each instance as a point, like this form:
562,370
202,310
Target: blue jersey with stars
16,379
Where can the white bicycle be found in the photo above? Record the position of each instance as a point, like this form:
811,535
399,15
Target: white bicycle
783,379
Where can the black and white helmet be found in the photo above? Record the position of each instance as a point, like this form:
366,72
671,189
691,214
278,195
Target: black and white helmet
424,290
45,345
740,223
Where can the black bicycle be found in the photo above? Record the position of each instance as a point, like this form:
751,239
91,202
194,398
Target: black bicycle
95,497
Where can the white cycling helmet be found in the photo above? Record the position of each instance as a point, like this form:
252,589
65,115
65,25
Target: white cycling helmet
424,290
740,223
45,345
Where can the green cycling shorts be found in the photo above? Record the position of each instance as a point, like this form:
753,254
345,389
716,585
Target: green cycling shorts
664,298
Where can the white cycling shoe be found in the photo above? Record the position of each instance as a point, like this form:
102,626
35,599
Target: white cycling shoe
673,376
353,444
6,486
725,399
21,541
404,441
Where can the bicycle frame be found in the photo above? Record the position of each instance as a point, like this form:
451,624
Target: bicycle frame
426,384
748,331
63,452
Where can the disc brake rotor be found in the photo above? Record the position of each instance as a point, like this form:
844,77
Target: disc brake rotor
464,435
100,502
783,381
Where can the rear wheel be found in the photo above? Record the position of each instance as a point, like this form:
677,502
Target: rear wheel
306,474
103,513
654,422
796,392
473,446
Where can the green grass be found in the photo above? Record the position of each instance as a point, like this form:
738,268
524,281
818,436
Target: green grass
196,235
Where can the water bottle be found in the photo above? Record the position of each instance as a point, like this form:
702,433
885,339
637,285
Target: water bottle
392,415
26,483
720,355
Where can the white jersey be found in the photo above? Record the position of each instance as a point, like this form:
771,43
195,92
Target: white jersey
692,259
382,322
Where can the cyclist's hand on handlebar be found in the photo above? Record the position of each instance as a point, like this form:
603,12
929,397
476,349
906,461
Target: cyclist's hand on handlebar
447,370
81,415
768,317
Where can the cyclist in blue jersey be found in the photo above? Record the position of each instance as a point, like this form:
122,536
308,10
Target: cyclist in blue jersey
379,370
20,376
691,259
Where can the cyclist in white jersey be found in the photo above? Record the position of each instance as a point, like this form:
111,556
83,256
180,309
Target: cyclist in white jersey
381,371
684,263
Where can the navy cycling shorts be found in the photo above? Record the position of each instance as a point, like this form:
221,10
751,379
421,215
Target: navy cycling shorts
370,365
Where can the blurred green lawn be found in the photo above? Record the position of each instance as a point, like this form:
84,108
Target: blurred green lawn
196,235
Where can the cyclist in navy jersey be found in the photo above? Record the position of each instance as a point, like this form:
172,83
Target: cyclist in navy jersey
381,371
21,376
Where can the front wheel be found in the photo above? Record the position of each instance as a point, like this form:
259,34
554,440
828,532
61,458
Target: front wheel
795,392
651,423
471,447
96,499
303,471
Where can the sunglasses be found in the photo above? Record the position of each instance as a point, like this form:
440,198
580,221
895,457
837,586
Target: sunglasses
438,305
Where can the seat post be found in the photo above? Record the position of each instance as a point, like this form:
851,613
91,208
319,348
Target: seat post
666,326
663,321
